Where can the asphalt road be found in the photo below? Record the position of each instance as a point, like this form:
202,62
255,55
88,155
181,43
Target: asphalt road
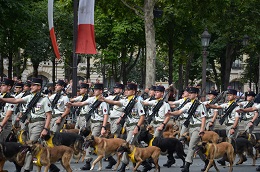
195,167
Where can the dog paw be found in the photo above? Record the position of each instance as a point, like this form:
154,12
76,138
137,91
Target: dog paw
99,169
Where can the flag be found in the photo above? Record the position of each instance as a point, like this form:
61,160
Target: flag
51,29
86,37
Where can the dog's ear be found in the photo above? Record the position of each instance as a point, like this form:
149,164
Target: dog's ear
92,137
204,143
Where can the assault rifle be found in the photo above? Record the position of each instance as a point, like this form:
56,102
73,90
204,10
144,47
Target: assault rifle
2,104
116,98
227,112
92,108
181,106
30,106
191,112
26,93
243,114
155,111
78,109
127,110
55,100
146,108
216,99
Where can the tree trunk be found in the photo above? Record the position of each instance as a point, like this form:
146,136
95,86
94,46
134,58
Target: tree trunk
170,56
88,68
150,42
187,69
226,67
10,64
180,83
35,69
258,90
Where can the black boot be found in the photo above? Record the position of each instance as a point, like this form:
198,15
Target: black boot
186,167
222,161
147,166
87,165
111,162
258,168
17,167
205,166
53,168
169,162
122,168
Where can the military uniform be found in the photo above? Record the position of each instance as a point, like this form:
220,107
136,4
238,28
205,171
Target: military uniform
248,116
6,107
81,119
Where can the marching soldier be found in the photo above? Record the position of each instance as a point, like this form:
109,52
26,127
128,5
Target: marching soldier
60,110
148,109
212,113
98,118
18,89
82,111
159,120
249,117
195,121
7,109
179,104
39,115
134,120
231,119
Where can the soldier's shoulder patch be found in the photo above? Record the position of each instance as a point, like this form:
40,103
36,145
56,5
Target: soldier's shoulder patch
105,110
12,106
203,112
141,111
49,104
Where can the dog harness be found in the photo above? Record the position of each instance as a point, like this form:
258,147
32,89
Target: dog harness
20,139
95,149
207,150
49,142
151,142
38,159
132,156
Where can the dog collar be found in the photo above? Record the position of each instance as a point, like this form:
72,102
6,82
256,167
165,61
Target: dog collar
132,156
151,142
207,150
38,161
20,138
49,142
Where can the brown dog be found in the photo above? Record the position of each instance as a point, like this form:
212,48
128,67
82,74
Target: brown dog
209,136
45,156
138,155
104,148
215,151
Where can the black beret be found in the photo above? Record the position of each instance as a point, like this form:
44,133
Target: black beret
251,93
28,83
152,87
8,82
215,93
131,86
159,88
84,85
98,86
193,90
37,81
232,91
61,83
118,85
19,84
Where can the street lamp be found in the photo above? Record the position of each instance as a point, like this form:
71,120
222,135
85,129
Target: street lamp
205,38
245,40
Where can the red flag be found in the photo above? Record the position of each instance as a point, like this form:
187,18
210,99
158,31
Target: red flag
51,28
86,36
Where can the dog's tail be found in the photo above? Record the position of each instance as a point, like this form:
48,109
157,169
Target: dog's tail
179,146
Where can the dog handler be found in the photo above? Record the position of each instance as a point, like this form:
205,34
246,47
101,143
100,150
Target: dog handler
98,119
196,125
39,116
232,120
133,121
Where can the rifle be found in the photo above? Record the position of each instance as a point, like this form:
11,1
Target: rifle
56,99
91,110
2,104
191,112
227,112
30,106
146,108
127,110
216,99
20,104
243,114
155,111
181,106
116,98
78,109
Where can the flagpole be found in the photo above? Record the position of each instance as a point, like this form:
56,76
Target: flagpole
75,56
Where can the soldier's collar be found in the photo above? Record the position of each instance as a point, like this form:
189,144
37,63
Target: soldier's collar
159,99
231,101
130,97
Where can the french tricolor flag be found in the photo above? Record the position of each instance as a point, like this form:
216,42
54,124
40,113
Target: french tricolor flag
86,36
51,29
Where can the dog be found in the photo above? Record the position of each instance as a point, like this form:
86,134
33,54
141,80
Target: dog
45,156
103,148
13,152
138,155
215,151
75,141
243,145
222,135
169,145
257,144
209,136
